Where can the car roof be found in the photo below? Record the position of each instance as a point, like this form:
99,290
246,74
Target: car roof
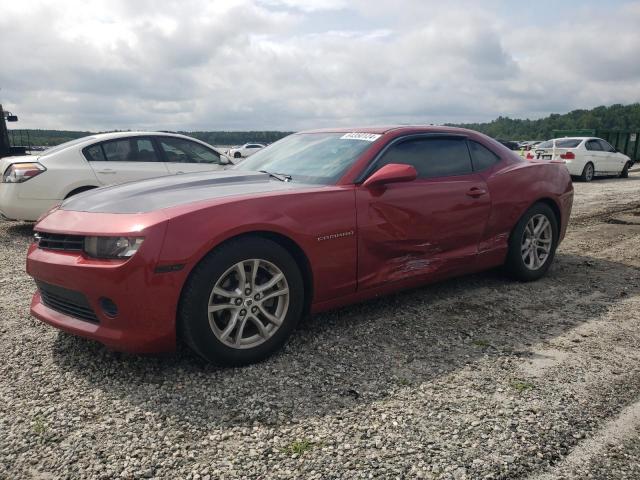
111,135
380,130
101,137
575,138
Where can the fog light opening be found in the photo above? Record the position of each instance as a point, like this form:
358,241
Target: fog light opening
109,307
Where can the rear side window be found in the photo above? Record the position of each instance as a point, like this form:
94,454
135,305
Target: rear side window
434,157
481,156
117,151
178,150
593,145
130,150
568,143
94,153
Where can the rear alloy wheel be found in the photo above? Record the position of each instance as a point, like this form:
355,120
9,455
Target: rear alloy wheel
625,170
533,243
587,173
241,302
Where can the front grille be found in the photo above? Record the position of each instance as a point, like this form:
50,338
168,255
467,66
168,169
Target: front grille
67,301
55,241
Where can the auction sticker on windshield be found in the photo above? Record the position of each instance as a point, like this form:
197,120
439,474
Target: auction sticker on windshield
367,137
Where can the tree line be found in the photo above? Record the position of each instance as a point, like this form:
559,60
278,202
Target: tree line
49,138
614,117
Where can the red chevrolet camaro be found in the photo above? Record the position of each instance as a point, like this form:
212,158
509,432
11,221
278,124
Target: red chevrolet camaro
230,261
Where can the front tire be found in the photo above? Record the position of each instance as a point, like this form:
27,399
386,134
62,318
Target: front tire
588,172
237,155
241,302
533,244
625,170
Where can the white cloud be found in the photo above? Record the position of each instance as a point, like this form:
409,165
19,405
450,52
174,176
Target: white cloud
242,64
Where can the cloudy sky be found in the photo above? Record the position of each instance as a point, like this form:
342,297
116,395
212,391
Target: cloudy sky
294,64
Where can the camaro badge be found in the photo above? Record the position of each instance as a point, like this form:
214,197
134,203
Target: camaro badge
333,236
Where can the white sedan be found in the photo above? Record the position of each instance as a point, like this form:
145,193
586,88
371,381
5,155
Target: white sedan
585,157
32,184
245,150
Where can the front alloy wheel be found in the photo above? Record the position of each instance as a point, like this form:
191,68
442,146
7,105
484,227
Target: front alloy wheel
248,303
241,302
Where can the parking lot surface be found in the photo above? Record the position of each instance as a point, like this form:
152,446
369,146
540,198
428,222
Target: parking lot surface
477,377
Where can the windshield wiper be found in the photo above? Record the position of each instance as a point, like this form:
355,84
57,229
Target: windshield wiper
283,177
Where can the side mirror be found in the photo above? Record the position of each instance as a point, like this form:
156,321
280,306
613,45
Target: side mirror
391,173
224,160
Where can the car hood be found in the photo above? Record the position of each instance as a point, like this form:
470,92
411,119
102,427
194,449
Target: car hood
170,191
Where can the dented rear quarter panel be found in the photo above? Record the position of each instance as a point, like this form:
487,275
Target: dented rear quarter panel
515,188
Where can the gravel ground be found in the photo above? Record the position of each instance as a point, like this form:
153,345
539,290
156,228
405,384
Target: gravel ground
477,377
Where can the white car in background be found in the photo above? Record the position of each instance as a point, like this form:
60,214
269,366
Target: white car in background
585,157
245,150
32,184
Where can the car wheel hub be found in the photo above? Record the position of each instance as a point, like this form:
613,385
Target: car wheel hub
248,303
536,242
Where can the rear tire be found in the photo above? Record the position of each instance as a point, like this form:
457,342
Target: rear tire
220,307
625,170
78,190
531,252
587,173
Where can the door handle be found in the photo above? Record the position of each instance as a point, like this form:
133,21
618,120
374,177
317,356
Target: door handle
108,170
476,192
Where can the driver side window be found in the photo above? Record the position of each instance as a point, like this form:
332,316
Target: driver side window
178,150
431,157
606,146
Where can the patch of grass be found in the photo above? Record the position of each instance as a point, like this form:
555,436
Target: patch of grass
522,385
298,447
39,427
479,342
404,381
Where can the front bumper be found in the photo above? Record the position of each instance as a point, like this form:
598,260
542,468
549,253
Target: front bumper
146,301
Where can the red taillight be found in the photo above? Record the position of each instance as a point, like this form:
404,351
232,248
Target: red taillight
21,172
568,156
530,156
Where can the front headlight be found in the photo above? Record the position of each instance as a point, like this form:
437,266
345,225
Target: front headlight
112,247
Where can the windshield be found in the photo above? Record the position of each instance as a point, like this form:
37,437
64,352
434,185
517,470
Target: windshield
310,157
64,145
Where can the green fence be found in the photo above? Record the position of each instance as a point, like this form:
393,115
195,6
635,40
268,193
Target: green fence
625,142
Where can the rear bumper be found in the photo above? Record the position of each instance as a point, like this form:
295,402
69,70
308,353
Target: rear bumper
146,302
12,207
575,167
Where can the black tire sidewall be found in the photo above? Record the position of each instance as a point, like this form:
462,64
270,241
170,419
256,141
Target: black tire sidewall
515,264
625,170
193,317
